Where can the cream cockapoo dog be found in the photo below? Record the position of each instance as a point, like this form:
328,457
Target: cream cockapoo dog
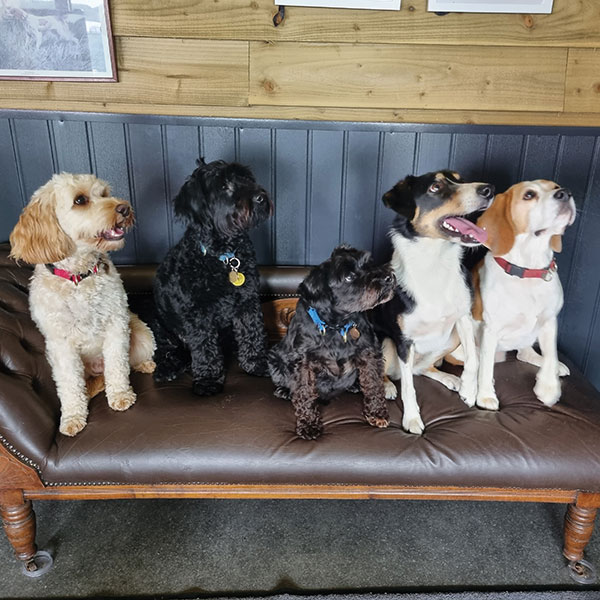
76,296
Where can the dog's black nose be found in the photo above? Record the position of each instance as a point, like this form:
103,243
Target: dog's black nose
123,209
562,195
486,191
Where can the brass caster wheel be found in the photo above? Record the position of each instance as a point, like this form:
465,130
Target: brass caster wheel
39,565
582,572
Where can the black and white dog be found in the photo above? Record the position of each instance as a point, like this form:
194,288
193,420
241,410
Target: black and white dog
430,313
208,283
330,345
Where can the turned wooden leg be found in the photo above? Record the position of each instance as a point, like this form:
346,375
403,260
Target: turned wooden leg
18,519
579,525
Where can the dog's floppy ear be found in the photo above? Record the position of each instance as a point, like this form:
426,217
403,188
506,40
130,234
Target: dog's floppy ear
499,225
401,198
189,199
37,237
556,242
315,287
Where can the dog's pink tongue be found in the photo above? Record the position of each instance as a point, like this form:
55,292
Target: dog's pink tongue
467,228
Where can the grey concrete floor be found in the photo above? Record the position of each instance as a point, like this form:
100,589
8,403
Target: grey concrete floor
190,548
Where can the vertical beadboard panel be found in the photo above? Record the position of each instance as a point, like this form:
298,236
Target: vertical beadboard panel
11,197
290,196
218,143
255,152
325,192
110,162
181,151
72,146
467,156
34,153
539,157
396,161
503,160
360,198
578,263
149,190
433,152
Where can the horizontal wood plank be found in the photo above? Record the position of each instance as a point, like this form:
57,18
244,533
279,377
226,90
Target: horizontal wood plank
469,117
572,23
582,89
349,492
432,77
156,71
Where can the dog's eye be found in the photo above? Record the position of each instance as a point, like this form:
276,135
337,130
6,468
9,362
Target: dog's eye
350,277
435,188
80,200
529,195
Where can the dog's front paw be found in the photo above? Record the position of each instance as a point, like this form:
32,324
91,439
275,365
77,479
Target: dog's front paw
148,366
380,422
390,390
413,424
452,382
547,390
207,387
488,402
258,368
282,392
72,425
163,374
468,392
309,430
121,400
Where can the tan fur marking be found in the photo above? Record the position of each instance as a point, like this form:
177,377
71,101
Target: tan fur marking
477,309
497,221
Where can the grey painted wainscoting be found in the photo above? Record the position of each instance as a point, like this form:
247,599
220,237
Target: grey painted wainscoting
327,180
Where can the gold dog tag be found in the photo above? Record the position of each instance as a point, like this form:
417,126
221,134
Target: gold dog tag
237,278
354,333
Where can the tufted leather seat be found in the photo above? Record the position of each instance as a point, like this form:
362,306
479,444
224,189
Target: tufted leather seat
246,435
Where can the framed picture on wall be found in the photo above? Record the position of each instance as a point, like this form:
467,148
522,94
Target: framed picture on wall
56,40
372,4
493,6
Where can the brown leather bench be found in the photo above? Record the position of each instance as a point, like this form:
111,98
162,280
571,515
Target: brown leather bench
241,443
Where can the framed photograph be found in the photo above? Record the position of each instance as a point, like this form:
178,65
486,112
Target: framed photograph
372,4
497,6
66,40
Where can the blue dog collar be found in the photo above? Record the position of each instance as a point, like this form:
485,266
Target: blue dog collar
322,326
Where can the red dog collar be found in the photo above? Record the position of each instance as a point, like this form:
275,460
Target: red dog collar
74,277
545,274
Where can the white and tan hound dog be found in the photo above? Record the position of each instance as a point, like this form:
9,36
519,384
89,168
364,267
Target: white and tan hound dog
430,314
518,294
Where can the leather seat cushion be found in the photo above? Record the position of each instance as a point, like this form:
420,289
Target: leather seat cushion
245,435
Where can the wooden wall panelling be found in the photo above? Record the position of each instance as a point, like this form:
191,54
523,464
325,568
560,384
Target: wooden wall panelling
109,154
255,151
290,194
572,23
182,150
156,71
578,263
582,93
433,77
326,158
11,196
71,146
147,168
360,188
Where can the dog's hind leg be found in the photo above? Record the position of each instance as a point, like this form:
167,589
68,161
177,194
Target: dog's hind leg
529,355
141,345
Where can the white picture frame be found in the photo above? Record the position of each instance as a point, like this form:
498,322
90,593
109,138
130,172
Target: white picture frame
497,6
367,4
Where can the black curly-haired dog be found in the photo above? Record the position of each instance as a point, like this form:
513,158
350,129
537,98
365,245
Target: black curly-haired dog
330,345
208,283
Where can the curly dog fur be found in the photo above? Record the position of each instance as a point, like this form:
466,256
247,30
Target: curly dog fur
317,361
76,296
196,298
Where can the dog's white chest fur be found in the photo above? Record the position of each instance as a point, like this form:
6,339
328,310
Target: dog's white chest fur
429,269
516,308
